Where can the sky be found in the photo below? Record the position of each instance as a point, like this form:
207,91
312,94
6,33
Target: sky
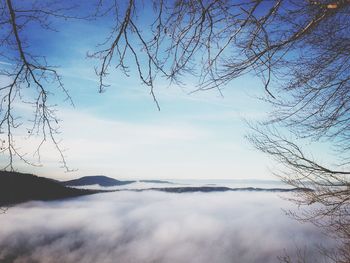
120,133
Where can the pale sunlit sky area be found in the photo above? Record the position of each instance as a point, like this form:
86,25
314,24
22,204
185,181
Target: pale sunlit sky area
121,133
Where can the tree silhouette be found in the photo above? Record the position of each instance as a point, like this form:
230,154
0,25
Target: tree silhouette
22,70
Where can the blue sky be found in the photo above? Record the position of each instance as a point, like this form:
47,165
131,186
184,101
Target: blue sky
121,133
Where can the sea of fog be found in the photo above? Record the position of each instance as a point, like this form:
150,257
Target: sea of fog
140,184
153,226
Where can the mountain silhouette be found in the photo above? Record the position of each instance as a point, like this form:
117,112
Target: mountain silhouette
18,187
207,189
99,179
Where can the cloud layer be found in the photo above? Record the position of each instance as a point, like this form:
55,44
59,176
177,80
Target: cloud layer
147,227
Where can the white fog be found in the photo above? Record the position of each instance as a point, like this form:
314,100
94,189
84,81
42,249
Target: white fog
154,227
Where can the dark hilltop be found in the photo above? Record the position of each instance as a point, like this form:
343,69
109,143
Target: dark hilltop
98,179
18,187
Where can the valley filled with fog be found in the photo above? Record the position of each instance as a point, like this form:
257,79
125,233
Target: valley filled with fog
173,183
152,226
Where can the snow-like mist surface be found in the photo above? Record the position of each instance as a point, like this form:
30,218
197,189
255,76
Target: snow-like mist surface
195,183
155,227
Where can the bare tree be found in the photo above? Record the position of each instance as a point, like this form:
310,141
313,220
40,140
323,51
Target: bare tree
326,200
218,40
27,79
301,52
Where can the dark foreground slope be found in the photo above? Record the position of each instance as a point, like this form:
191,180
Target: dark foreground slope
17,187
93,180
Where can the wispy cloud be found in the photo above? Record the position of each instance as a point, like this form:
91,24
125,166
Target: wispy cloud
5,63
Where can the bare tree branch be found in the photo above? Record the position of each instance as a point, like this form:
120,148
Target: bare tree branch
27,71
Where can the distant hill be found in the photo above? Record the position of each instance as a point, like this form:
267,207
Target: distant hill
156,181
18,187
207,189
99,179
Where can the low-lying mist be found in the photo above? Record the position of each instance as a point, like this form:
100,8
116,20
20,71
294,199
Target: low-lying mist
155,227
